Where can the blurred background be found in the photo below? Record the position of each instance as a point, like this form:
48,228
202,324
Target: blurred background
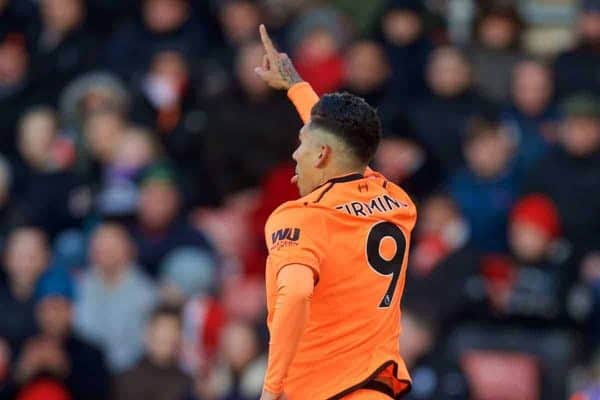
141,156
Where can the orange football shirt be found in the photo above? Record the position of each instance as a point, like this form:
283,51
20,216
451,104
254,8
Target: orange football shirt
354,233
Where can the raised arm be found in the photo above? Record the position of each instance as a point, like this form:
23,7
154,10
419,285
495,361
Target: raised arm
277,70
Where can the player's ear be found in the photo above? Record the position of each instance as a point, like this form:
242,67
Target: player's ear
324,153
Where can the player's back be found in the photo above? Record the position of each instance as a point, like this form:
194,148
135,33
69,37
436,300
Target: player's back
359,230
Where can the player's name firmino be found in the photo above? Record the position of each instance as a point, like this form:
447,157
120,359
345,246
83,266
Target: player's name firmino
379,204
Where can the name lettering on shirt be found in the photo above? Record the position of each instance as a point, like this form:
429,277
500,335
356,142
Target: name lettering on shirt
379,204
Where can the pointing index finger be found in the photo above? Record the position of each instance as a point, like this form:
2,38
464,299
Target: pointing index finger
267,43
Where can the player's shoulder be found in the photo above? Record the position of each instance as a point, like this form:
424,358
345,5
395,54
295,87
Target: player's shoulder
397,192
391,187
293,217
299,209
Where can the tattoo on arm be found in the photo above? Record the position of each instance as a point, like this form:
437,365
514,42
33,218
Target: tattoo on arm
288,72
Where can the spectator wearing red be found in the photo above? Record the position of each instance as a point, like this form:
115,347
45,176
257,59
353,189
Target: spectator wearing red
44,389
531,282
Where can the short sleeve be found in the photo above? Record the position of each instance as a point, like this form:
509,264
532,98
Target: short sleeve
295,235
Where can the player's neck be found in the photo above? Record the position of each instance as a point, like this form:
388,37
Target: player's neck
341,172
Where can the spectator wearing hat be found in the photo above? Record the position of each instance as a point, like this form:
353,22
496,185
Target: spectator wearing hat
88,93
44,389
316,39
26,257
103,131
569,174
576,69
186,272
486,188
160,226
56,351
115,298
532,115
157,376
530,283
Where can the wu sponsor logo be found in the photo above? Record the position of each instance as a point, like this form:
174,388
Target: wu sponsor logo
292,234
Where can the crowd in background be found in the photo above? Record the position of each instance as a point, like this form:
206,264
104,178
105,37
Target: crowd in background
141,156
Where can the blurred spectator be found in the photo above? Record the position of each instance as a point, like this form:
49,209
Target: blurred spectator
14,15
43,175
69,251
591,388
167,101
441,117
530,283
239,374
10,213
60,46
15,86
91,92
486,189
203,320
136,150
156,376
261,143
186,272
238,20
590,276
441,261
103,132
576,69
56,351
164,23
6,385
317,38
115,298
243,298
496,50
405,160
26,257
276,189
569,174
404,36
433,376
229,228
160,226
44,389
532,115
367,72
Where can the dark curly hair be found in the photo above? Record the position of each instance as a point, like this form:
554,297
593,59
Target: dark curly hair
351,119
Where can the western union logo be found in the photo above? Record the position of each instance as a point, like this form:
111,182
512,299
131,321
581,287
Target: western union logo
292,234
